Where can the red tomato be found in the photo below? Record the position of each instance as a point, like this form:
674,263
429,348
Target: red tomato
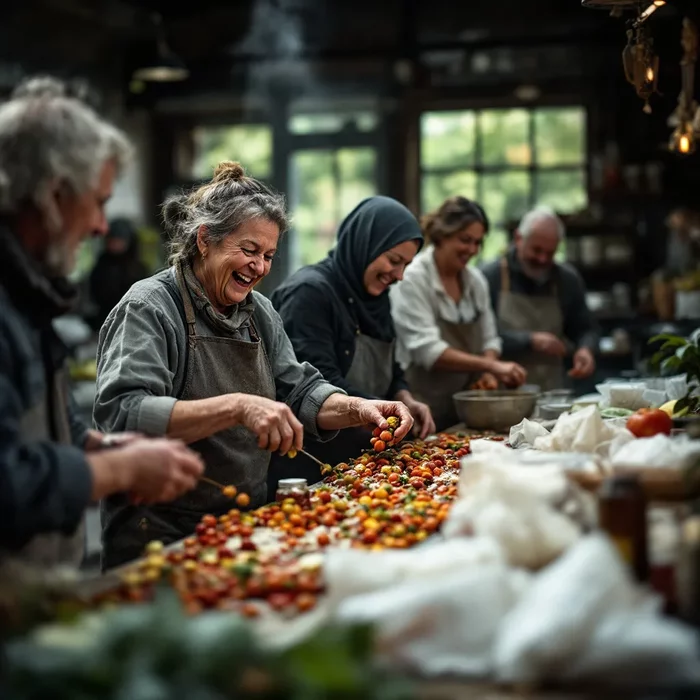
648,422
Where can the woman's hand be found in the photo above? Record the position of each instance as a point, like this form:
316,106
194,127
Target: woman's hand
375,413
277,428
424,424
510,373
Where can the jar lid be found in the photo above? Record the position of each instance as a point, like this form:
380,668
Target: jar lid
291,483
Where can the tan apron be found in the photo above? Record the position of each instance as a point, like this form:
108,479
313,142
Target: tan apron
42,424
436,387
520,312
215,366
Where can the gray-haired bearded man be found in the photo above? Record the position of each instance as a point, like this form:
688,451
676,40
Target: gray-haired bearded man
541,304
58,163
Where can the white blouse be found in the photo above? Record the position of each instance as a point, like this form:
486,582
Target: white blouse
419,301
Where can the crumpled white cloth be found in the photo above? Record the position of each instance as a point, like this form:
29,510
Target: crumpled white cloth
584,431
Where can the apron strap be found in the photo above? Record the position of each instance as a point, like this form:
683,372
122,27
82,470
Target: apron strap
187,302
505,275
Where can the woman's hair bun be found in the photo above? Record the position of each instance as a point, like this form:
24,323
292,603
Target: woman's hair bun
228,170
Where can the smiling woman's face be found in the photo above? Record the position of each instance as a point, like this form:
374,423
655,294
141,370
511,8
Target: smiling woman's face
389,267
230,269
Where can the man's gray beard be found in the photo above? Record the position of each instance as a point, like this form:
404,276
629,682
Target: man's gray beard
58,260
539,277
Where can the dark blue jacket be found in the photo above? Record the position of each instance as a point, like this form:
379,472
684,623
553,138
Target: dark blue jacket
44,486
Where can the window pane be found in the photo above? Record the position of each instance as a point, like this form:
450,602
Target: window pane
357,177
447,139
506,196
560,136
495,245
314,194
250,144
325,185
504,137
564,191
332,123
437,188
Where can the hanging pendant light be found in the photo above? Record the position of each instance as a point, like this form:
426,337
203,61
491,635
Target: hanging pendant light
163,66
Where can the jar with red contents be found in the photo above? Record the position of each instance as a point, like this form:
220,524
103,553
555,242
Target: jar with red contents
296,489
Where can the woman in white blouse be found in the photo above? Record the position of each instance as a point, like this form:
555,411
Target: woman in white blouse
445,326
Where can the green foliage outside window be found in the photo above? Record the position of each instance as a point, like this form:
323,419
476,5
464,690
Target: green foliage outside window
509,160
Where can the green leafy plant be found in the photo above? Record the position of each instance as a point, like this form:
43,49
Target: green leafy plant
156,652
680,355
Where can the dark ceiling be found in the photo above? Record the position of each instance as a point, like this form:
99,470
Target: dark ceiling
105,38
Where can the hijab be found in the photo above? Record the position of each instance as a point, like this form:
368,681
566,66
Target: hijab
375,226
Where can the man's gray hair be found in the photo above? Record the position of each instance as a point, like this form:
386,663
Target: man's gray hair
51,139
534,216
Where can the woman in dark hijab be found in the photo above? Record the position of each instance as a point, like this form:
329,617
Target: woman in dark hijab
338,317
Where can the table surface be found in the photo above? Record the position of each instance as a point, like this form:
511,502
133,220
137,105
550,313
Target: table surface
438,689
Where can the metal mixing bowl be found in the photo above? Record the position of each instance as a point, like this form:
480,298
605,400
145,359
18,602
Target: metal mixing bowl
494,410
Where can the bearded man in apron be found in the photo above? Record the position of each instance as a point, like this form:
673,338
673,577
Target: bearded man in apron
443,317
541,306
337,315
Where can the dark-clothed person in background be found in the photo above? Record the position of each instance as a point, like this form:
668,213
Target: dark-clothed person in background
116,270
58,162
541,304
338,316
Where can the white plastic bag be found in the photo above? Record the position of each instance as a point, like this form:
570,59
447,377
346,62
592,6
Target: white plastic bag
556,617
445,624
509,503
350,572
660,451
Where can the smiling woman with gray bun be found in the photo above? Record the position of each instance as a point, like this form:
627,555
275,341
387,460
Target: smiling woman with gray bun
194,353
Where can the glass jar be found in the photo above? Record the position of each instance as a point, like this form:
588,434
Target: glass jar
622,513
296,489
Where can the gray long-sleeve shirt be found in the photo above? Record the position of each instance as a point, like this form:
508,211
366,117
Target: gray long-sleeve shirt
580,325
142,357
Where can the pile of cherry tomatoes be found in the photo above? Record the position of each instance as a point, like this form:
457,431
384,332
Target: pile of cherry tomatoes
271,557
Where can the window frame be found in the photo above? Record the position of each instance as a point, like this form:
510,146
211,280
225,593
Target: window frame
479,168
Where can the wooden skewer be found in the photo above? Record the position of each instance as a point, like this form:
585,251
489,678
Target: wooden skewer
212,482
314,459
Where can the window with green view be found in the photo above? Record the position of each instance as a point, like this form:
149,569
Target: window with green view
249,144
508,160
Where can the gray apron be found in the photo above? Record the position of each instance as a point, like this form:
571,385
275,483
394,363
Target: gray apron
436,387
215,366
372,367
520,312
54,548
